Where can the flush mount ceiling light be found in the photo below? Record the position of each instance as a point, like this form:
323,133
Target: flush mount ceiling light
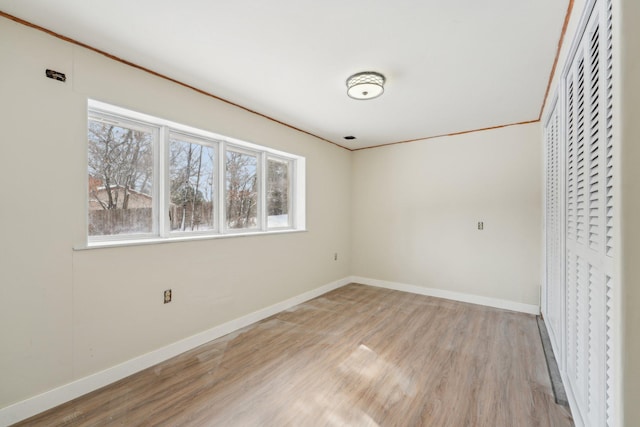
365,85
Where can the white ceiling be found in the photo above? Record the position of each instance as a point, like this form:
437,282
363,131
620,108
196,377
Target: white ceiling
451,65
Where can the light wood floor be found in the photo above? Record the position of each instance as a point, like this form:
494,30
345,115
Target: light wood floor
357,356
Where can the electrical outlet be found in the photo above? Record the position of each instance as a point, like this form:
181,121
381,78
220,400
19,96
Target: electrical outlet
480,225
335,256
167,296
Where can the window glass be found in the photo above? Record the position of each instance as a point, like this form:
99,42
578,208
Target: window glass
241,185
152,179
120,166
278,183
192,180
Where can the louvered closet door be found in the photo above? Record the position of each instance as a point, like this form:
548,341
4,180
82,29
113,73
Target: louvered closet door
553,297
588,359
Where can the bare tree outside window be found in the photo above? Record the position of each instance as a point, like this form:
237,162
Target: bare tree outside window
120,167
191,171
241,184
152,180
278,193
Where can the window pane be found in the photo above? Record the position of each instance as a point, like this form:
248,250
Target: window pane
120,161
278,193
191,172
241,184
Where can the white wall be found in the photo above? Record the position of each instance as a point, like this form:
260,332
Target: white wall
627,16
405,213
66,314
416,207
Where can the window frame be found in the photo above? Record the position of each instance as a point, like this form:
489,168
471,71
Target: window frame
291,182
161,197
259,185
130,123
166,199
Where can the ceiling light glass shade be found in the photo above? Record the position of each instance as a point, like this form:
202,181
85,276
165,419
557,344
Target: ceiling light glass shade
365,85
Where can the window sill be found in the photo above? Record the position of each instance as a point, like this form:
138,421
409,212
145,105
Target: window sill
161,240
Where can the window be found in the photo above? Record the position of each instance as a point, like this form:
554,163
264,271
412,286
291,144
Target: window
278,187
241,189
192,183
150,180
121,179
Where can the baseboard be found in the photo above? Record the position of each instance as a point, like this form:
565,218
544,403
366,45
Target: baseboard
456,296
42,402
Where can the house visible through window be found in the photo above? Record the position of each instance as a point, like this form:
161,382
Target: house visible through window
120,160
153,179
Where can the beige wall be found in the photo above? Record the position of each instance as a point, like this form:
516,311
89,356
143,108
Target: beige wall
66,314
405,213
627,16
416,207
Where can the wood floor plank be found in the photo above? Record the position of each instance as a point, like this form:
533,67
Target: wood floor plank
357,356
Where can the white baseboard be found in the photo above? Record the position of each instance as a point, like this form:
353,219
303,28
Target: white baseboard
34,405
456,296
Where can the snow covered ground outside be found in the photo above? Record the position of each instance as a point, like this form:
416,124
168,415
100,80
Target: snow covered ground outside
275,221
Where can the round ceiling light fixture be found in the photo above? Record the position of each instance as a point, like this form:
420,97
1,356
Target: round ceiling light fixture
365,85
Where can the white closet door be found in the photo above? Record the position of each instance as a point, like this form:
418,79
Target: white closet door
553,295
588,143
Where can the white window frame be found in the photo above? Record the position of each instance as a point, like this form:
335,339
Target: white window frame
193,139
161,181
156,131
260,186
291,206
